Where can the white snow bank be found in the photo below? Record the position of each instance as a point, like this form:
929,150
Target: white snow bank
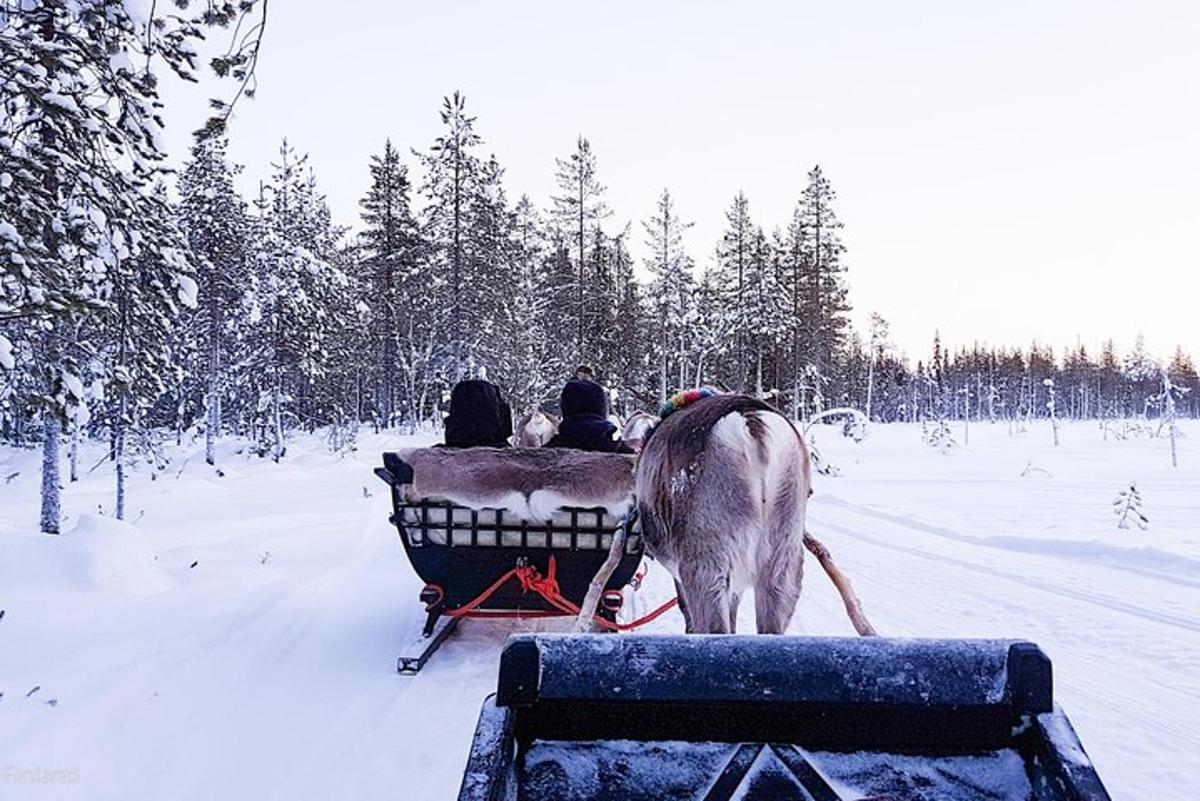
115,555
98,553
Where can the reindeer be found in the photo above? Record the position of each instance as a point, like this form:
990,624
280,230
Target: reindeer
535,429
635,428
722,488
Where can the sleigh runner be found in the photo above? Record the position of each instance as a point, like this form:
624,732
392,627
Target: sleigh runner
494,533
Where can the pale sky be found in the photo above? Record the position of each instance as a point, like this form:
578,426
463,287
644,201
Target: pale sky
1006,171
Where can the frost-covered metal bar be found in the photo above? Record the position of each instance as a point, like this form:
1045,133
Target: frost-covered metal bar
832,692
749,717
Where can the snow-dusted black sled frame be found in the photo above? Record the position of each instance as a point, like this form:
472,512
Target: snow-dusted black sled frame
461,553
821,719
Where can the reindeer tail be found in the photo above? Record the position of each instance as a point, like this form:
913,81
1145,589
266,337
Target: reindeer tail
853,607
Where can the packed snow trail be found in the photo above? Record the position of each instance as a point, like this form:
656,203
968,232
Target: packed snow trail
266,671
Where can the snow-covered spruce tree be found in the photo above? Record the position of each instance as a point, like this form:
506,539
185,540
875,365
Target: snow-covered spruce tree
389,257
600,320
936,434
629,365
1141,375
532,362
79,147
672,291
712,335
213,217
450,187
579,208
878,344
1108,382
815,250
734,254
143,291
765,307
1182,372
293,291
489,291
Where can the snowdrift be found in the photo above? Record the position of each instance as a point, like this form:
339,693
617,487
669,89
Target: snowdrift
98,553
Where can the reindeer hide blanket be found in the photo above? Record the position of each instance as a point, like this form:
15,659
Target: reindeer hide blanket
530,482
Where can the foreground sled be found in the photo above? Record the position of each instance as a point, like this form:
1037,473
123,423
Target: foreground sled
521,554
820,719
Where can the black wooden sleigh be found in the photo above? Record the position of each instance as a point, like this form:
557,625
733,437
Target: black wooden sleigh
774,717
483,563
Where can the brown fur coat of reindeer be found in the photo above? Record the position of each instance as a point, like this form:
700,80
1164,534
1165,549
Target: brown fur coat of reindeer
722,489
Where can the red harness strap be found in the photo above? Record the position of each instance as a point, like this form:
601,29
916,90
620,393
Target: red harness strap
546,587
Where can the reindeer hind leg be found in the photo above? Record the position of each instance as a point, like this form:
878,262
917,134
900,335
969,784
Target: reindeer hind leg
683,608
776,594
709,602
781,566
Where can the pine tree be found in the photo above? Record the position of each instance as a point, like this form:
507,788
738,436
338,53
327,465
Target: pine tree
632,335
295,293
489,291
451,184
714,332
672,289
734,254
143,292
815,250
390,253
213,217
764,312
578,209
1182,372
531,358
601,318
1140,373
877,345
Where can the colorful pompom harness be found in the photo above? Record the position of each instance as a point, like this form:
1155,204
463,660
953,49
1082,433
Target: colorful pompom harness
680,400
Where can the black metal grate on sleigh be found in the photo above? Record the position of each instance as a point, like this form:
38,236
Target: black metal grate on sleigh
441,523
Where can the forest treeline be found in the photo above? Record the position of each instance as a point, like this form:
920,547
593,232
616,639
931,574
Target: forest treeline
295,322
138,304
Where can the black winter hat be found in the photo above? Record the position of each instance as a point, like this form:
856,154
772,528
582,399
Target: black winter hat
478,416
583,397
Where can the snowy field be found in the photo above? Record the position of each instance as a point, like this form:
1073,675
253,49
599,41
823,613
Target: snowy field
239,641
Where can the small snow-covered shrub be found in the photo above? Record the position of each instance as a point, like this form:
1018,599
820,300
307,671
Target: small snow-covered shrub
936,434
819,463
1033,470
343,435
1127,507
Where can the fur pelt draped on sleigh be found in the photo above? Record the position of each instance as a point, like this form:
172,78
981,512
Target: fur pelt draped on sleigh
532,483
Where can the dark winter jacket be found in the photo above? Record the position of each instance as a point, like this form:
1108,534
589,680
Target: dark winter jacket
584,425
478,417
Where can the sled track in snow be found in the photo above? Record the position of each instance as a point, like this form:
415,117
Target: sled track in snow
1054,548
1165,618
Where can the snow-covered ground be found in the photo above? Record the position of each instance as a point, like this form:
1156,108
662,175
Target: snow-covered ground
239,640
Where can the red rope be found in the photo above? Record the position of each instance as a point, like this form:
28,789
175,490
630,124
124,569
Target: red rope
546,587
